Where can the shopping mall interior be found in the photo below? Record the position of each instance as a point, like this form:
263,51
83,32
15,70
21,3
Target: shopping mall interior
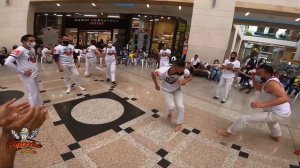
125,122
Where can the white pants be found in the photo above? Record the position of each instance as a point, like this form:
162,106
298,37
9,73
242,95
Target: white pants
258,118
70,70
33,90
172,99
111,70
90,65
224,87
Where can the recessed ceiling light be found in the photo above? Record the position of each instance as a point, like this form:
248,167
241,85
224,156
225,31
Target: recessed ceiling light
68,15
113,16
162,17
297,20
57,4
156,20
78,13
148,6
93,4
54,14
101,13
169,18
151,20
145,16
247,13
179,7
46,14
139,15
59,15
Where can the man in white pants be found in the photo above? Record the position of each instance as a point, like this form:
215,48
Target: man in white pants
27,68
172,79
110,56
230,68
165,55
64,55
90,61
273,101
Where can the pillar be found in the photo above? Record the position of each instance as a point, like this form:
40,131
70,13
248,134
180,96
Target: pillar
14,22
297,55
210,29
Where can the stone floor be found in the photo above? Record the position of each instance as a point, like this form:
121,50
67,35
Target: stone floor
126,126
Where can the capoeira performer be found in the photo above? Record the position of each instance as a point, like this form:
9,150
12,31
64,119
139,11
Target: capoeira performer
90,61
27,68
164,55
172,79
273,101
64,55
110,56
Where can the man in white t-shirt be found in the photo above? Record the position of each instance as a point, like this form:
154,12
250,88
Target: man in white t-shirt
64,56
110,57
26,68
165,55
90,62
230,68
195,63
172,79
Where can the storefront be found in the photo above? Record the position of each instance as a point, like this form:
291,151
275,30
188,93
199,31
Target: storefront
143,31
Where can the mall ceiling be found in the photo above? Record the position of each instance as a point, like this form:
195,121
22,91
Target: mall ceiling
165,8
117,8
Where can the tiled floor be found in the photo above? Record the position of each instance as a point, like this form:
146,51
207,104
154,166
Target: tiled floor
126,126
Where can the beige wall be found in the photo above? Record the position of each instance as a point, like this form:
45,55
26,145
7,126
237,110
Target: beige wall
210,29
14,22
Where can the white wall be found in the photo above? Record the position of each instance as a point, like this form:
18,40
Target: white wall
13,22
286,3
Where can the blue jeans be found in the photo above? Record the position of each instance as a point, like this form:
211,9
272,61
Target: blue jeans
215,74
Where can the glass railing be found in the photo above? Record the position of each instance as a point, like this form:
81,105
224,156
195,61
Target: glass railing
269,32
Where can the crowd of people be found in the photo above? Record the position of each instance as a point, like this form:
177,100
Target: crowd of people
172,71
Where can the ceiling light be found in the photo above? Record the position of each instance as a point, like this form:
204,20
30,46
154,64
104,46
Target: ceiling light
113,16
151,20
136,18
162,17
156,20
145,16
93,4
78,13
139,15
101,13
59,15
148,6
297,20
90,15
57,4
247,13
169,18
179,7
54,14
68,15
46,14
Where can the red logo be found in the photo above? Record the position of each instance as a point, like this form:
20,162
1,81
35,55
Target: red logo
15,52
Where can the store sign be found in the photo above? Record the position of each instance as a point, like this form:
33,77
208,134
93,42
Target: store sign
87,23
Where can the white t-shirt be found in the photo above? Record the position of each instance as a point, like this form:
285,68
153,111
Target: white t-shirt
26,60
169,83
110,53
230,74
90,51
195,61
65,53
164,57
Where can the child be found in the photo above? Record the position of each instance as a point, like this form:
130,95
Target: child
172,79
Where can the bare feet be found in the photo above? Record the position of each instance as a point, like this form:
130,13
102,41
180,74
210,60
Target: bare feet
170,118
223,133
178,127
275,138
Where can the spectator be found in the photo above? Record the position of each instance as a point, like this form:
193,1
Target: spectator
216,70
195,63
295,86
46,54
285,81
3,55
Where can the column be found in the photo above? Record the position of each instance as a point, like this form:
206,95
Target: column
14,22
210,29
297,54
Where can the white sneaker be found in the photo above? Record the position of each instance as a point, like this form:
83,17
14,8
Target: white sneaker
68,90
81,88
